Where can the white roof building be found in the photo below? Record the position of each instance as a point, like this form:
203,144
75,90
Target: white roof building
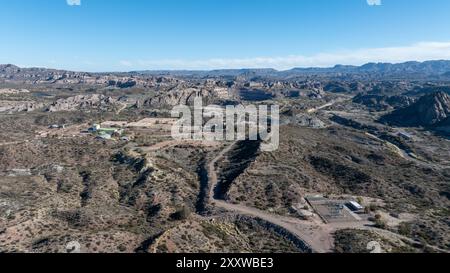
355,206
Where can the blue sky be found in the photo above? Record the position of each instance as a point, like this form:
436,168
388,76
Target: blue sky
119,35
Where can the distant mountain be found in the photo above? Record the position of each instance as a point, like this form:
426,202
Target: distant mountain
407,70
428,68
428,111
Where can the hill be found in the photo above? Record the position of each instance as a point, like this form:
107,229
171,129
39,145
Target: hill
429,110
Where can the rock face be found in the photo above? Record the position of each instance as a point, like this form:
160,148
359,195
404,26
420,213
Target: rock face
29,106
380,102
183,97
89,102
428,111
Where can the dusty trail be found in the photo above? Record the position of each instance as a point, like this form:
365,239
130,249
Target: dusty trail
123,107
313,110
405,155
331,103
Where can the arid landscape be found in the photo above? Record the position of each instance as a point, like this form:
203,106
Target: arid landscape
89,158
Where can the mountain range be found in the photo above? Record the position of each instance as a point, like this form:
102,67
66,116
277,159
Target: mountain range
428,69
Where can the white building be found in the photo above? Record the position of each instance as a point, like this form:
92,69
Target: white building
355,206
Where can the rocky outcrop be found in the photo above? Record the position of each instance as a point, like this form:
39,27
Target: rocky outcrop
82,102
28,106
304,120
182,97
429,110
383,103
8,69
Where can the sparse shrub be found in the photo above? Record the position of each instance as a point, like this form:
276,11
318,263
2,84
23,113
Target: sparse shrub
162,248
360,200
181,214
380,223
404,229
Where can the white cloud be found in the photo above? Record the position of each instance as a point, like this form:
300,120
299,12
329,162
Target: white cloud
73,2
126,63
416,52
374,2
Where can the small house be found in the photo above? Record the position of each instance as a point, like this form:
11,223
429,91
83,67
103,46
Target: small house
355,206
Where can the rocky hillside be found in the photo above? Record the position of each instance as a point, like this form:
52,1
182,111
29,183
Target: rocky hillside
407,70
14,74
94,102
81,102
443,126
380,102
429,110
428,67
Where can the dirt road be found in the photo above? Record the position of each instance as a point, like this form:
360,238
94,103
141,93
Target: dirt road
326,105
316,235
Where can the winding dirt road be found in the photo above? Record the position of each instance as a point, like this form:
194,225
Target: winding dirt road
316,235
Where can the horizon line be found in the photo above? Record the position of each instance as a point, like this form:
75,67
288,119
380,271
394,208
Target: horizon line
226,69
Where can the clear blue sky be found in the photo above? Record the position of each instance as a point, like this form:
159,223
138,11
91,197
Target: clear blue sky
112,35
